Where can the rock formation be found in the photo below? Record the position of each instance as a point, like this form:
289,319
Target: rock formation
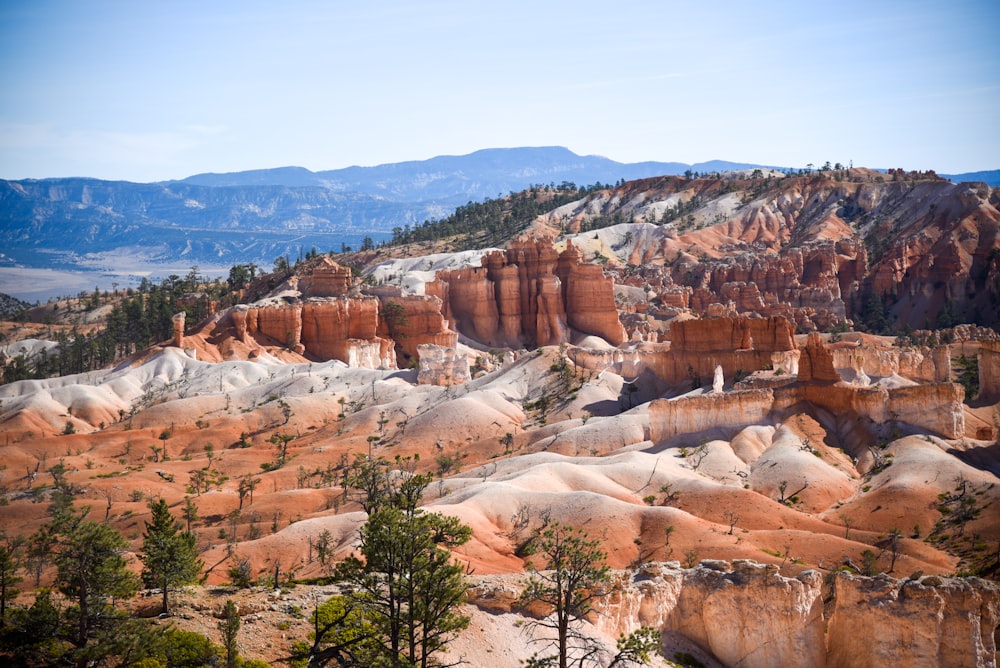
719,381
923,365
528,295
692,415
747,614
739,345
816,362
930,621
989,370
699,347
414,320
441,365
326,278
178,322
323,328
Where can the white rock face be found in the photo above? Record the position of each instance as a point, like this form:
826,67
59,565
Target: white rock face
749,615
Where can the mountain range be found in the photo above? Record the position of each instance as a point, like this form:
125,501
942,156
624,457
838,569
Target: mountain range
256,216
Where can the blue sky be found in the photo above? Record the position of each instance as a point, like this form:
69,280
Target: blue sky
148,91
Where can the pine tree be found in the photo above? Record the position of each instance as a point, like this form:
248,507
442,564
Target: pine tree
575,576
91,571
400,609
168,554
230,627
10,564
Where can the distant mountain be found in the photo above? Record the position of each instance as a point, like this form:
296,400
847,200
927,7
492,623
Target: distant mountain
990,178
459,179
257,215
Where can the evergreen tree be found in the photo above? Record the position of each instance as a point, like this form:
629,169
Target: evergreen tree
575,576
168,554
230,626
91,571
10,564
400,609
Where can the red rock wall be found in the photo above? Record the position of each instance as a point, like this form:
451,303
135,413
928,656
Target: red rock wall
415,320
470,303
330,325
731,334
816,362
931,622
326,279
282,324
325,329
936,408
529,295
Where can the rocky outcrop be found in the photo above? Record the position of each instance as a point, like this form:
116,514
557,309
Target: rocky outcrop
816,362
739,345
412,321
749,615
347,330
589,297
528,295
324,329
441,365
945,259
692,415
731,334
325,278
807,284
989,370
924,365
178,323
934,407
930,621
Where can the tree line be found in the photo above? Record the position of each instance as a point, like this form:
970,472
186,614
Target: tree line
139,317
495,220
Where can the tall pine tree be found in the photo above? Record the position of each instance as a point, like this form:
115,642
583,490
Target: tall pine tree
168,554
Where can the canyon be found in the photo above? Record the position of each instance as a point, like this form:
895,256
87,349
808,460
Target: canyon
706,391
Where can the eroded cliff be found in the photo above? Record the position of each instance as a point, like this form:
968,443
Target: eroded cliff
529,295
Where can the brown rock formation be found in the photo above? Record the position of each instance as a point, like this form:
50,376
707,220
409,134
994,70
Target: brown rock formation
325,278
746,614
926,365
816,363
469,301
529,295
329,328
738,345
731,334
412,321
692,415
589,297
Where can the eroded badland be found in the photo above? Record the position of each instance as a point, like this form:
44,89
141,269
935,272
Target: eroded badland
697,386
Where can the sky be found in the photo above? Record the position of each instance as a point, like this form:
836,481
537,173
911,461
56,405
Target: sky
149,91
